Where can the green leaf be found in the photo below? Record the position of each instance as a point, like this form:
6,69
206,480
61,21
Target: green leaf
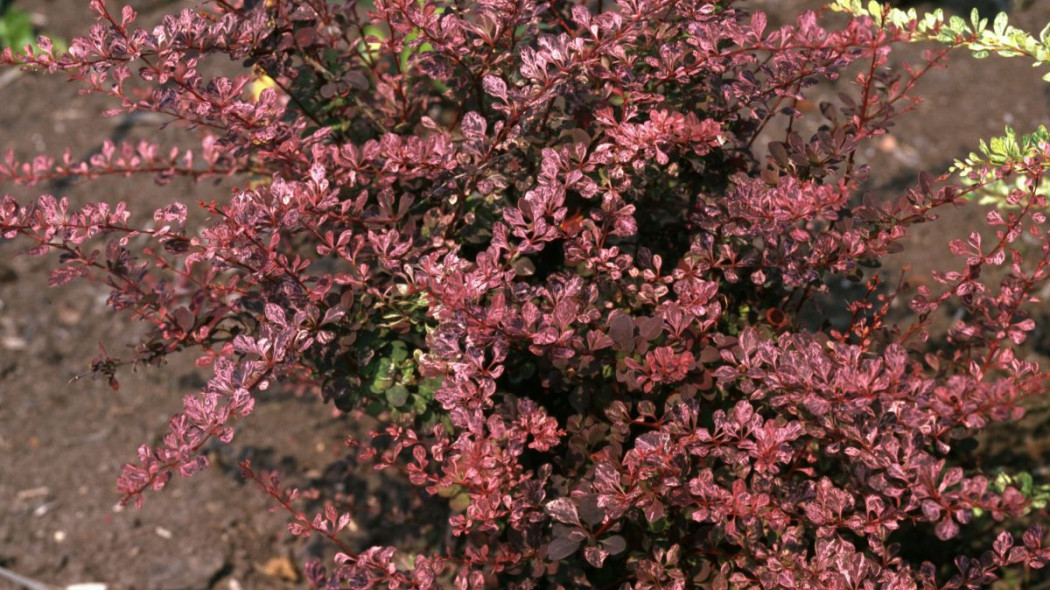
979,24
460,502
875,10
397,395
384,378
1024,479
999,26
398,351
419,404
16,30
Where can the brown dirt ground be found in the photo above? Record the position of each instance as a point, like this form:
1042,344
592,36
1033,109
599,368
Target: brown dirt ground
62,442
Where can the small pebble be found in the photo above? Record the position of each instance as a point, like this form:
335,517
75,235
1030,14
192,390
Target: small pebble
13,342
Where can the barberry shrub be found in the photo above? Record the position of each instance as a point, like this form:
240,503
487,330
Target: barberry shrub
568,254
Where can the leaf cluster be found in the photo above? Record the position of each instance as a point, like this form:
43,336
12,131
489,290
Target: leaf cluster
572,258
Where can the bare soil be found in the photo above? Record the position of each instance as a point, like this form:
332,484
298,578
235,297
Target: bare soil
63,440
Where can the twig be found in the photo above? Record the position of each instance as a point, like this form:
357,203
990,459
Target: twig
22,581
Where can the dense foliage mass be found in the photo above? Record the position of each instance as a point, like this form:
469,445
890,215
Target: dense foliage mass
569,254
